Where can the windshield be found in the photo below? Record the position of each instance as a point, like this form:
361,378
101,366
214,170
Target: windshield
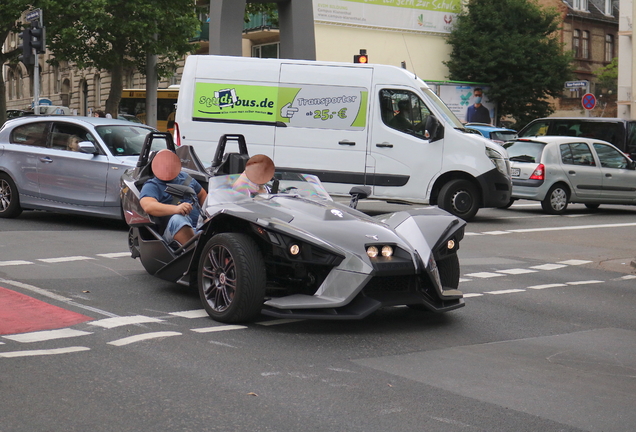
123,140
442,108
503,136
236,188
525,151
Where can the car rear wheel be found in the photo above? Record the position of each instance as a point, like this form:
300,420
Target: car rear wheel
556,201
231,278
9,198
459,197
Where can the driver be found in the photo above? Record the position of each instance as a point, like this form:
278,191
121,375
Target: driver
177,220
259,170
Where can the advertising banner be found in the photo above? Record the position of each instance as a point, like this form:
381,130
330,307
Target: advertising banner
462,101
312,106
434,16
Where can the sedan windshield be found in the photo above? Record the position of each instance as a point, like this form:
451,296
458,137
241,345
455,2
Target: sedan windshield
123,140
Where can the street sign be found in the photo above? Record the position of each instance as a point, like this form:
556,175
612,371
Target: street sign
575,84
33,15
588,101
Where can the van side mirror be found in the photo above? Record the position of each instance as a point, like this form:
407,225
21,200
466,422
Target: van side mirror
431,128
358,193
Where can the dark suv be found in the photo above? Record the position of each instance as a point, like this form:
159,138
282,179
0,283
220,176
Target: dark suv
620,132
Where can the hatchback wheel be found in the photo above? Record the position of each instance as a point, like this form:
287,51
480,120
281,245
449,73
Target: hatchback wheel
9,198
556,201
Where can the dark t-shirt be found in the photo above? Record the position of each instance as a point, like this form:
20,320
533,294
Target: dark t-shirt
478,114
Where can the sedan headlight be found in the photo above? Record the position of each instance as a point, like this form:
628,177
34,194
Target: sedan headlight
498,161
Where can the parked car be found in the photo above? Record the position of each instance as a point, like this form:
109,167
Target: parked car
66,164
620,132
558,170
497,134
286,249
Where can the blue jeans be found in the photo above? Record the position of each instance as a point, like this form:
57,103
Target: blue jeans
175,223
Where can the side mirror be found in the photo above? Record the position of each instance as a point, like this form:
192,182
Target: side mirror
431,128
87,147
358,193
180,191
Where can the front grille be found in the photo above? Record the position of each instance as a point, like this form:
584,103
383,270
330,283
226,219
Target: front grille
383,284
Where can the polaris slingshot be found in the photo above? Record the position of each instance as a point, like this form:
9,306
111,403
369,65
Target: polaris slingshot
292,251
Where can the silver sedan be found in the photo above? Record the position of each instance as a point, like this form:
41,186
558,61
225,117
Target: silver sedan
558,170
66,164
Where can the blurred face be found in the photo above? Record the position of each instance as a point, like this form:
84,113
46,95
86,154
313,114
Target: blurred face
166,165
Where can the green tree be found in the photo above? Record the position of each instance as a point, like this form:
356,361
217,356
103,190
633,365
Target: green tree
607,76
511,45
114,35
10,12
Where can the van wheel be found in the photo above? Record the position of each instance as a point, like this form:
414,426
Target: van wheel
231,278
9,198
508,204
556,200
459,197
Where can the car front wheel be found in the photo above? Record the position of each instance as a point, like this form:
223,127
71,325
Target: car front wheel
231,278
9,198
459,197
556,201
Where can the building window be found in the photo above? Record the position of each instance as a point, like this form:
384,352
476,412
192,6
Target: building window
580,5
266,50
576,43
608,7
609,48
585,45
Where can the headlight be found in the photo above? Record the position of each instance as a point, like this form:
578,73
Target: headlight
497,160
372,251
387,251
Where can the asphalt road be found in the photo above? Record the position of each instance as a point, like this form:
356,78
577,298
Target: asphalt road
547,340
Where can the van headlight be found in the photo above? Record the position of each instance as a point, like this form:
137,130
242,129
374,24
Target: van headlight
498,161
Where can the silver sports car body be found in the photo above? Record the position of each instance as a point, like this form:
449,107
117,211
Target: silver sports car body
292,251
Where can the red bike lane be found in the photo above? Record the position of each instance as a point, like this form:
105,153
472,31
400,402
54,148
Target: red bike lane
20,313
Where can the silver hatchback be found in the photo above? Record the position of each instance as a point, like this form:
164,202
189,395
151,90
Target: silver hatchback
66,164
558,170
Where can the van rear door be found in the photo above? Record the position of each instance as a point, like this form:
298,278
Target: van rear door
324,110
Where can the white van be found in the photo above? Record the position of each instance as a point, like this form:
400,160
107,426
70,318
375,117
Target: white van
349,124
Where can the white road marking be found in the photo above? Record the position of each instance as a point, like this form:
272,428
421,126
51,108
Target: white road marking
573,227
65,259
197,313
218,328
548,266
496,232
574,262
626,277
469,295
115,255
14,263
540,287
508,291
278,322
484,275
43,352
122,321
586,282
516,271
143,337
464,280
45,335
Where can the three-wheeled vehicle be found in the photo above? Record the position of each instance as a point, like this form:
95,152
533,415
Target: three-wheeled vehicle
291,251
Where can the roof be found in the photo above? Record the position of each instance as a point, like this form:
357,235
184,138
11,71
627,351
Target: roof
596,11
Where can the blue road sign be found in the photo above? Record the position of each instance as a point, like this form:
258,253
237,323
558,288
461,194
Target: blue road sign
588,101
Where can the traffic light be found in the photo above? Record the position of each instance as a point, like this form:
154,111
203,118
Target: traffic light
362,57
27,56
38,42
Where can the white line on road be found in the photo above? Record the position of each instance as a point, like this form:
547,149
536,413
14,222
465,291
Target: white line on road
45,335
585,282
483,275
508,291
218,328
122,321
14,263
197,313
563,228
516,271
548,266
65,259
115,255
540,287
469,295
43,352
143,337
574,262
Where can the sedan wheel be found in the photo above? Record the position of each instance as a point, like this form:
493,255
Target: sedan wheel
231,278
556,201
9,198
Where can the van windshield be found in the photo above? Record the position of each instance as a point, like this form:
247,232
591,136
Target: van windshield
442,108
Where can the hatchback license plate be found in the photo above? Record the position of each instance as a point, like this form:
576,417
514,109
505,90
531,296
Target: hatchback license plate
515,172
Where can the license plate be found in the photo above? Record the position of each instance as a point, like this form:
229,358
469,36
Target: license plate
515,172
